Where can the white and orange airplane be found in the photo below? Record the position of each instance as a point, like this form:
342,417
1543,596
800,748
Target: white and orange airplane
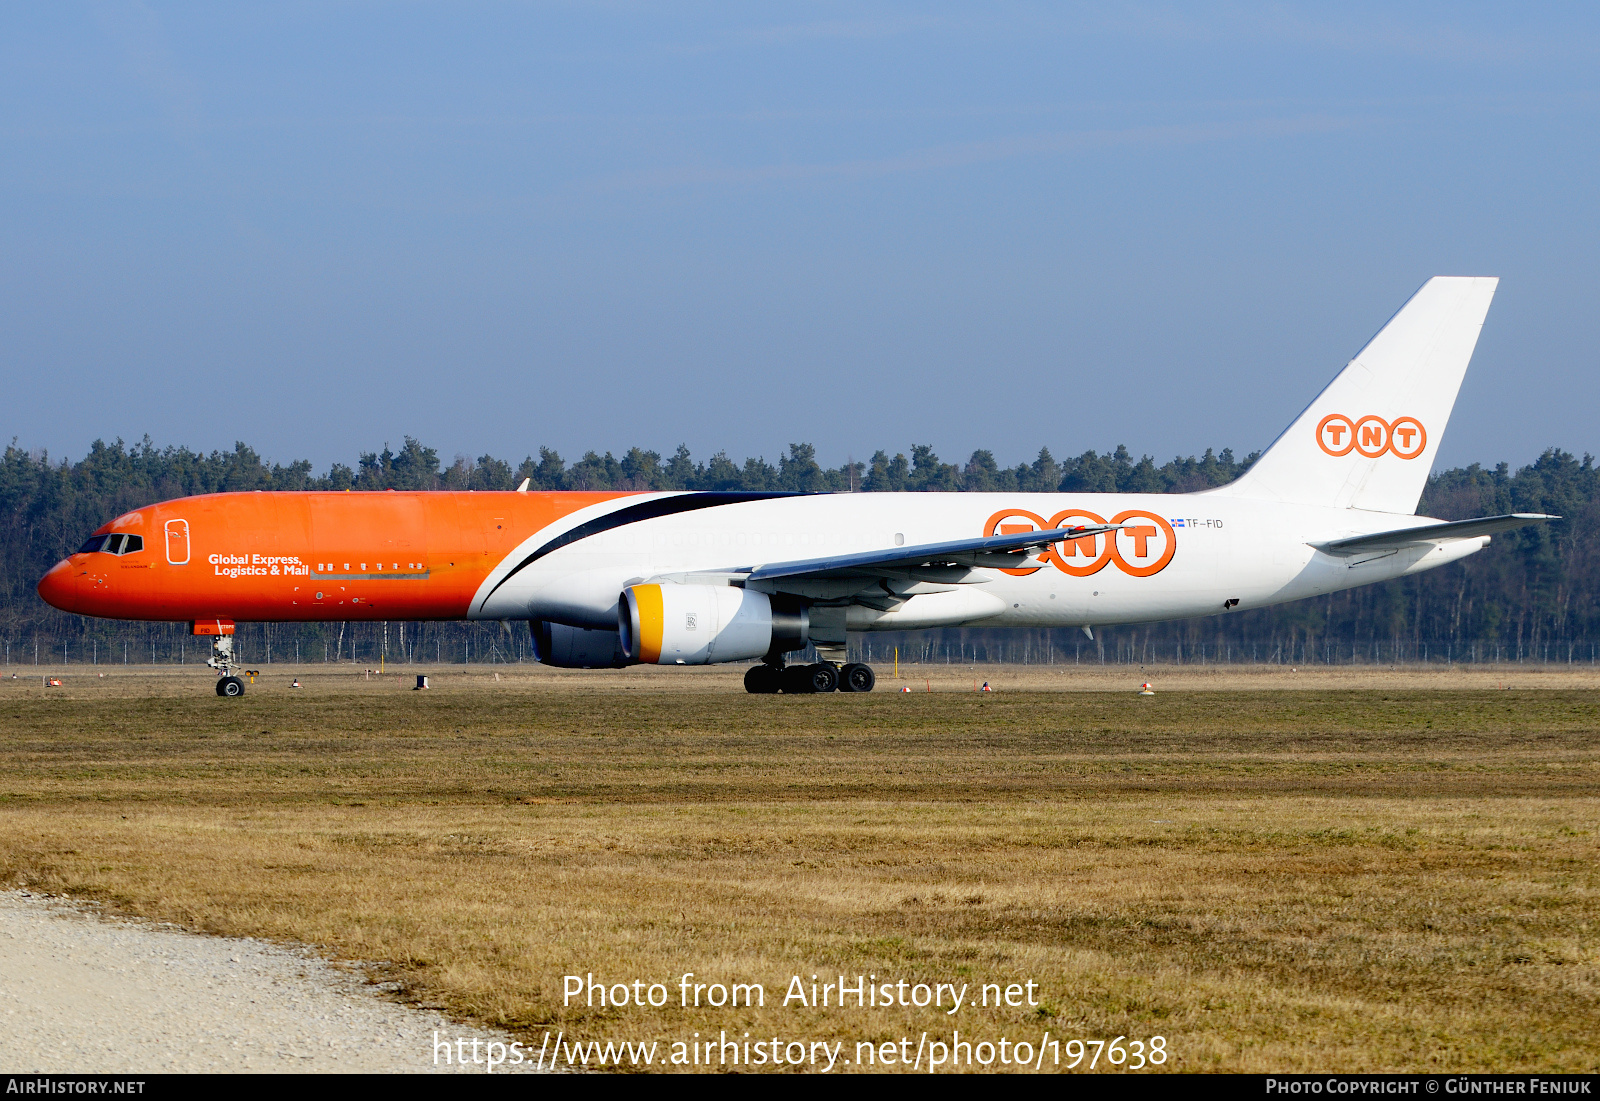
692,578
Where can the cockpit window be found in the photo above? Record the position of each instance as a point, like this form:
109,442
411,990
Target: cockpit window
115,543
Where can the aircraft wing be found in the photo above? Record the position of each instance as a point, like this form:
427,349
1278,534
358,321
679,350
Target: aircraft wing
1430,533
996,552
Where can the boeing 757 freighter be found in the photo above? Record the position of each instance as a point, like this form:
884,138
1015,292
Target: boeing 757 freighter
689,578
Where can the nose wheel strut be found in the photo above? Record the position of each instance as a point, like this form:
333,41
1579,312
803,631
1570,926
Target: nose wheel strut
222,661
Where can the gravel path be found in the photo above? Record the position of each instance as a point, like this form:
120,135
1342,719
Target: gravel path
79,993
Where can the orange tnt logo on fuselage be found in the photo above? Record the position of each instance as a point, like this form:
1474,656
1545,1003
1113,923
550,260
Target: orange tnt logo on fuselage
1139,549
1403,437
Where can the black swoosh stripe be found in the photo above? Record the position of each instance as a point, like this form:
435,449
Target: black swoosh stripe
632,514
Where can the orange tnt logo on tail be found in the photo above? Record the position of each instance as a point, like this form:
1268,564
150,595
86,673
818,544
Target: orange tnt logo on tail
1371,436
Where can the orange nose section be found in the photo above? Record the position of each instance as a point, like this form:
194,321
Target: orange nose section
59,589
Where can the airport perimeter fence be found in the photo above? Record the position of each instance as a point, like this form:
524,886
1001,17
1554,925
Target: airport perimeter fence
495,643
361,643
1109,648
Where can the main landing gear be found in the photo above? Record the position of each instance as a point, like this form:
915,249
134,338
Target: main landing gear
796,680
222,661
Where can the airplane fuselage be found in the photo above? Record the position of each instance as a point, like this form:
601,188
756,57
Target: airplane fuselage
435,556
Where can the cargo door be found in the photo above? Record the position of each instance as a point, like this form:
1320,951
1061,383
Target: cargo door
365,547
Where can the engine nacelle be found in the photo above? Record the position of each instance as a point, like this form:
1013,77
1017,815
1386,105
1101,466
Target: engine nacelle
575,647
706,624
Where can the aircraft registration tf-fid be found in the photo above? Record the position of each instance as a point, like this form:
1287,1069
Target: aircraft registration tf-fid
687,578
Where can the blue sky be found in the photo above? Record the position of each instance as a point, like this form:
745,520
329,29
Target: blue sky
319,227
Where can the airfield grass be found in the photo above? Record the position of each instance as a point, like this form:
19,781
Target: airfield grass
1293,879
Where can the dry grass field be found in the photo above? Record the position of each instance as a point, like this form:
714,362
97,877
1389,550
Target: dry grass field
1346,869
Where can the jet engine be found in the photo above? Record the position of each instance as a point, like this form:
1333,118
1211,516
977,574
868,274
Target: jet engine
575,647
706,624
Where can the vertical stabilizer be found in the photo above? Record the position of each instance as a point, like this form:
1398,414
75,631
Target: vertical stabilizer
1369,439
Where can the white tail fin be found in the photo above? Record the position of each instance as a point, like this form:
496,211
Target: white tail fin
1369,439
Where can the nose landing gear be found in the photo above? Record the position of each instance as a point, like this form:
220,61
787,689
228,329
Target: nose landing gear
222,661
796,680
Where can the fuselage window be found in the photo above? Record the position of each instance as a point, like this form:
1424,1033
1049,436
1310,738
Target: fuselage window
115,543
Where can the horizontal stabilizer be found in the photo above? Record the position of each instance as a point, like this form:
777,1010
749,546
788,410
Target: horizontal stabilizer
998,552
1430,533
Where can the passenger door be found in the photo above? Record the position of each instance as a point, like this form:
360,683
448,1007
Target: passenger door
177,533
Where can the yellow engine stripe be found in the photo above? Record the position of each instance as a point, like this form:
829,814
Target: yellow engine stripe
652,622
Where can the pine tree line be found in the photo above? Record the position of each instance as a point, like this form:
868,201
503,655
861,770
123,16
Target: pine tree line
1531,594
